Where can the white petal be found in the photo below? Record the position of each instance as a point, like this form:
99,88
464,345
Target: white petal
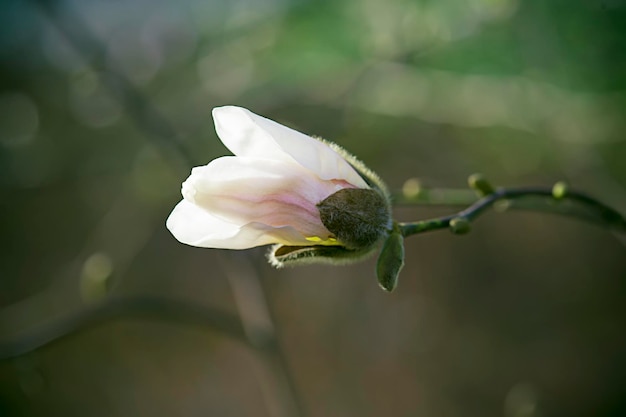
244,190
194,226
247,134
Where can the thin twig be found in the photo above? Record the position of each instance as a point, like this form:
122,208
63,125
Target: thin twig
588,209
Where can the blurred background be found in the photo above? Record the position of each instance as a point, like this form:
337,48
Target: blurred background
105,107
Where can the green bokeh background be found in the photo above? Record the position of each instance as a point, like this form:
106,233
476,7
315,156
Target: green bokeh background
522,317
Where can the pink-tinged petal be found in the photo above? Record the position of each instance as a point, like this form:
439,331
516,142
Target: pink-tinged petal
249,135
194,226
249,190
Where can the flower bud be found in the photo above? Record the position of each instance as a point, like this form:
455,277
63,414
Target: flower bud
479,183
310,198
358,217
460,226
559,190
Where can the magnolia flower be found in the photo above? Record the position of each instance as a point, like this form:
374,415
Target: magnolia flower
308,197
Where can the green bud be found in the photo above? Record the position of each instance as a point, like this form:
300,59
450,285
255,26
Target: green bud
460,226
411,188
95,277
559,190
390,261
479,183
358,217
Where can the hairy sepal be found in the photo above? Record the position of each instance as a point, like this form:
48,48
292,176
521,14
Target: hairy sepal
283,255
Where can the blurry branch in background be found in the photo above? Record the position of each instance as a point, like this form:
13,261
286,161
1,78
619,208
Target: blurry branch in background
556,200
115,307
255,330
258,322
145,116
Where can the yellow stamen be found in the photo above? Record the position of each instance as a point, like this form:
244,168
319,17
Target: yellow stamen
319,240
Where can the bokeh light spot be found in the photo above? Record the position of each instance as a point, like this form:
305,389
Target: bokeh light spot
521,401
19,119
95,275
91,104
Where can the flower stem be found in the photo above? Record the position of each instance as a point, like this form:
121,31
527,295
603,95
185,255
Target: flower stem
545,199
